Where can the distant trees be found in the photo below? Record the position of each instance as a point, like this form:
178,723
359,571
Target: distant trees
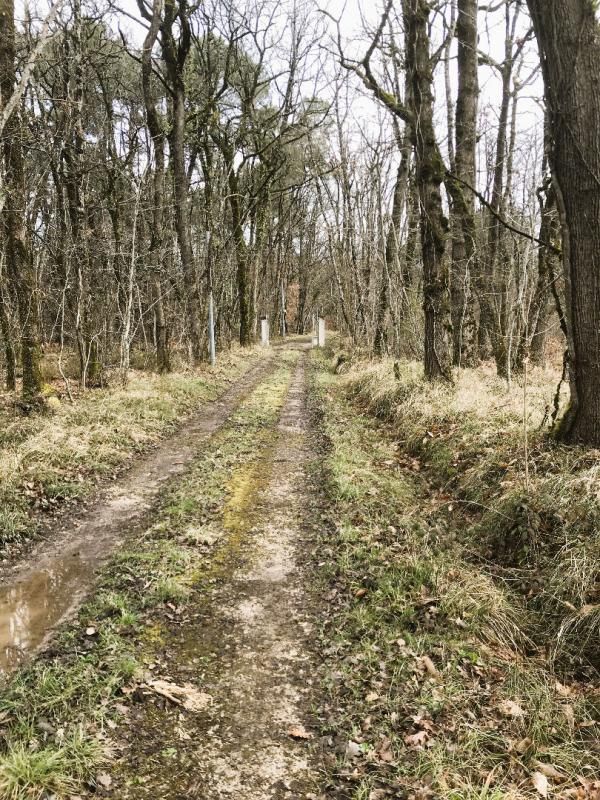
417,112
139,176
216,154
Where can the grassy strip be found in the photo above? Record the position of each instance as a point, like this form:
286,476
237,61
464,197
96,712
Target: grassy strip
56,716
538,534
434,688
53,459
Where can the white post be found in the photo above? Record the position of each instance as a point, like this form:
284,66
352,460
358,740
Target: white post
283,321
264,331
211,329
321,333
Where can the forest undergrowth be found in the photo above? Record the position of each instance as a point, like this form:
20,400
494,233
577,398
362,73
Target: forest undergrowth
462,651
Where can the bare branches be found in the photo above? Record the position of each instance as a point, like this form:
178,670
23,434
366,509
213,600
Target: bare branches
363,69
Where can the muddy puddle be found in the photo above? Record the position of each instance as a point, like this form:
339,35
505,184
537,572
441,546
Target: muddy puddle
30,609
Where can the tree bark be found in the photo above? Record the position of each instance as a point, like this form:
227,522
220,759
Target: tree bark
392,246
463,202
19,262
430,174
157,135
175,56
568,37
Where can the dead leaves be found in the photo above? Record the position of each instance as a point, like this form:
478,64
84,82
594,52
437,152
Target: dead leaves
549,771
423,735
299,732
104,780
416,739
540,783
509,708
430,667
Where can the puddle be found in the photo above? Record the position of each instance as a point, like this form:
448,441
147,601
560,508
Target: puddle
30,609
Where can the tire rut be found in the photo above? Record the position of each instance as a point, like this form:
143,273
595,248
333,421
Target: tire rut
39,595
249,649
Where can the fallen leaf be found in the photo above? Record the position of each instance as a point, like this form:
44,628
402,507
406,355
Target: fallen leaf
352,749
103,779
540,783
182,734
564,691
372,697
416,739
299,732
511,709
549,771
430,666
187,696
523,745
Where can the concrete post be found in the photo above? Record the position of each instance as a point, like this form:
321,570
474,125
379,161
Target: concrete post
264,331
321,333
211,329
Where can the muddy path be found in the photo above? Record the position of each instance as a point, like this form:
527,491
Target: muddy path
246,646
44,588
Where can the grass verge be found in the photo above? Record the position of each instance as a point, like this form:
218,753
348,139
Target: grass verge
438,680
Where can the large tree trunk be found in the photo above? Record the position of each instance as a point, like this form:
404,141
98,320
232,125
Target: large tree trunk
175,56
72,154
463,200
430,174
18,257
568,36
155,250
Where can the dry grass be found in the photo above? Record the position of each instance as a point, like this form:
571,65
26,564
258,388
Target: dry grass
542,540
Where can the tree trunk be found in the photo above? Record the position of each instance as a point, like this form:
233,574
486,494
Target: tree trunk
568,36
155,250
18,257
430,174
463,201
392,246
9,350
175,56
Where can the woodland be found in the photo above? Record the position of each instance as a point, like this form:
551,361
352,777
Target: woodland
352,568
216,154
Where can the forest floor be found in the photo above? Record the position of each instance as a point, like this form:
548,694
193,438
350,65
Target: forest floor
303,593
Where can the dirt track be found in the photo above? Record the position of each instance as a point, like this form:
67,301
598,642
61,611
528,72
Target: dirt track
40,594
